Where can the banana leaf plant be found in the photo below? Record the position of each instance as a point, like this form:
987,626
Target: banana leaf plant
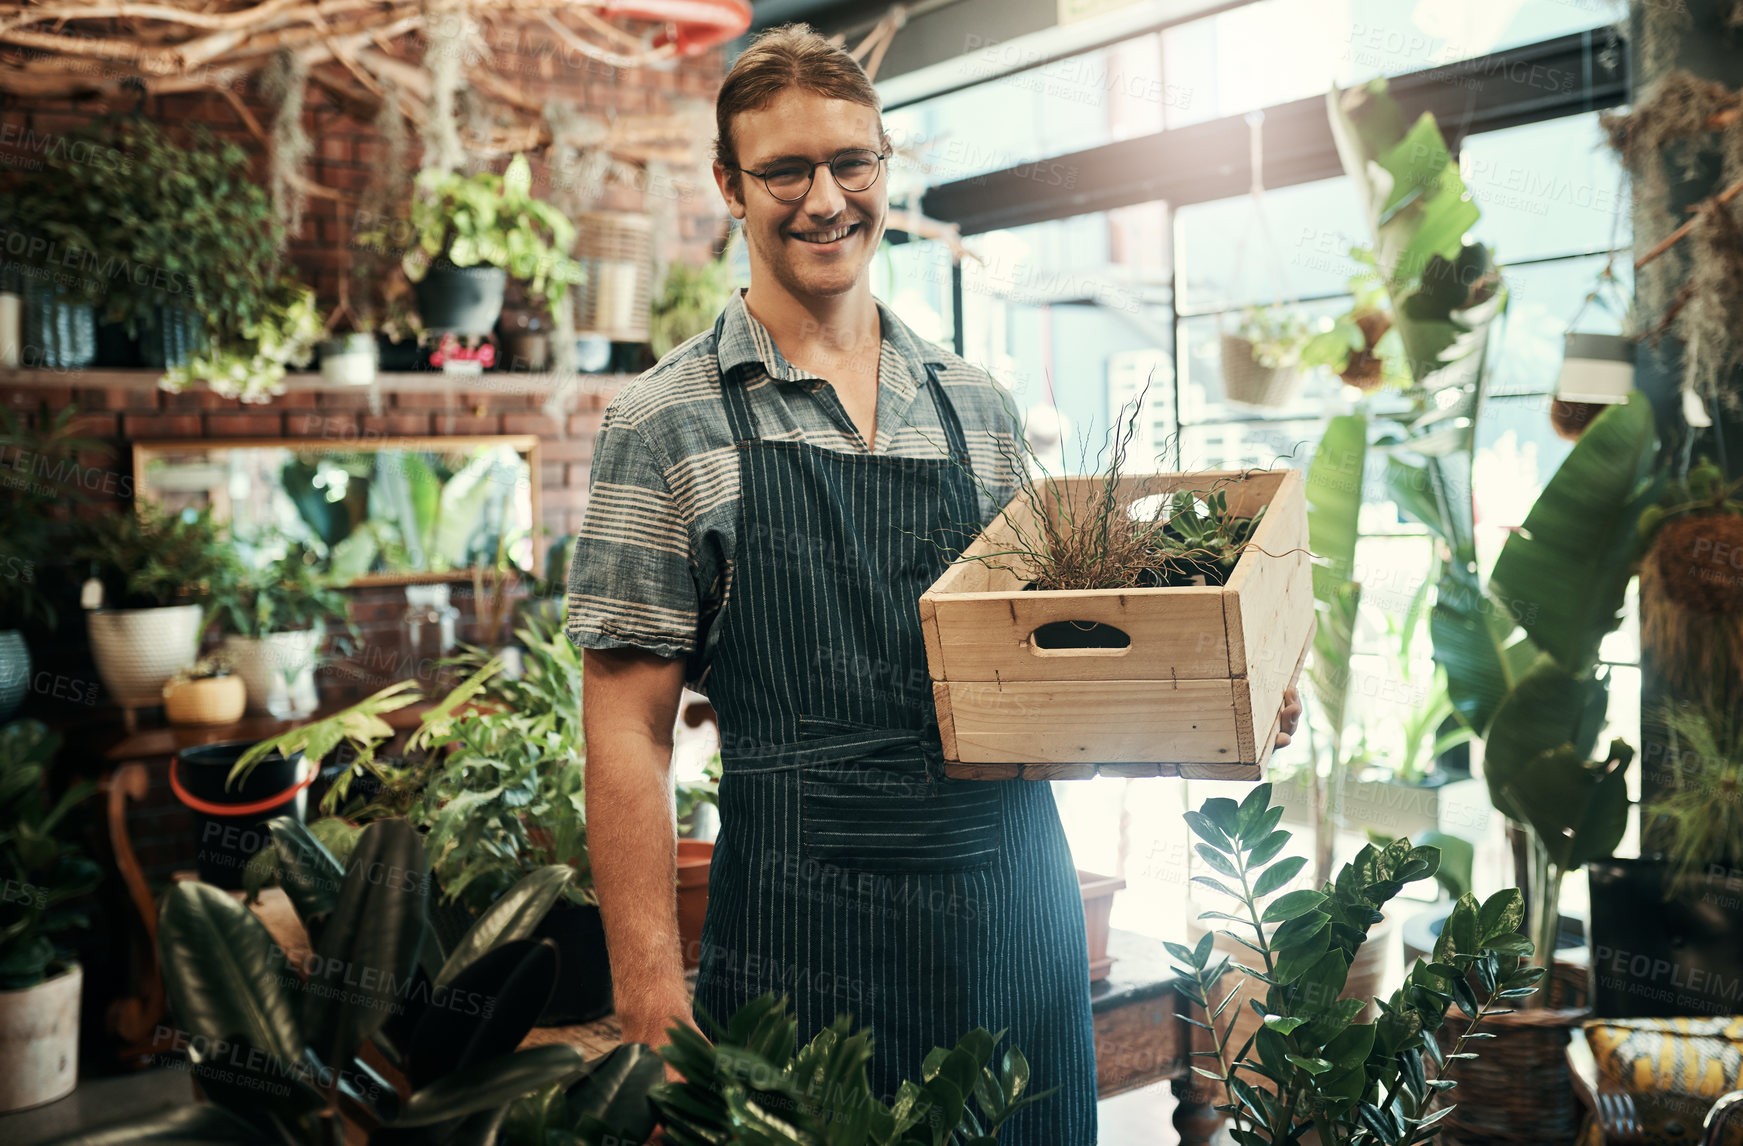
284,1052
747,1087
1445,296
1310,1067
1334,504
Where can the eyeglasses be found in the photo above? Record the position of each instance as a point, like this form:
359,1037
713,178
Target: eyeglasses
789,180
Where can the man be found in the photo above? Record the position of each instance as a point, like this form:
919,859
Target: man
767,505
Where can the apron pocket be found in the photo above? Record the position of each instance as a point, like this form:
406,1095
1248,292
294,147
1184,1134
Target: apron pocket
885,816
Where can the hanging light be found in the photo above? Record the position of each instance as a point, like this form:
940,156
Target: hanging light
1596,368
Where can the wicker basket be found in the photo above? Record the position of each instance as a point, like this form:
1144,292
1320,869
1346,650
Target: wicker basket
616,248
1246,379
1518,1089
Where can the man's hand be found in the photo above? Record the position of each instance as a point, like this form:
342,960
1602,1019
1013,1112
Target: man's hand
1290,716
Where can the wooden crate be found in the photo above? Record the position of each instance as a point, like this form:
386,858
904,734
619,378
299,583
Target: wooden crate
1196,692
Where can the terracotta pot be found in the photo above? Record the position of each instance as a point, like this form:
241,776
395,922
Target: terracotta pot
1098,901
137,650
214,700
694,859
39,1041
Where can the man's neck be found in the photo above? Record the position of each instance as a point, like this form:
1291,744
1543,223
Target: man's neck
840,334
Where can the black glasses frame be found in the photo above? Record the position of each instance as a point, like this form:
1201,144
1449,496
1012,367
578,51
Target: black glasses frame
830,163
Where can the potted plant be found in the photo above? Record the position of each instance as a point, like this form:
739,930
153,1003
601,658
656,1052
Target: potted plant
275,622
45,871
207,692
381,1034
33,536
58,321
689,299
472,231
250,365
1310,1071
1090,621
124,187
156,570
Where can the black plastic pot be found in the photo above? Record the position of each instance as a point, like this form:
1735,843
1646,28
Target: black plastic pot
170,336
1663,945
584,973
14,672
464,300
226,840
58,334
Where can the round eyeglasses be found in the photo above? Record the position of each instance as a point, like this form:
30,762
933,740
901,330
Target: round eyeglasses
789,180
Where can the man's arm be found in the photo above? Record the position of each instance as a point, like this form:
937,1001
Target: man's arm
628,708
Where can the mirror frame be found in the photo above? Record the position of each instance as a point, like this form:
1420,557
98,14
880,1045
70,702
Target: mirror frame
527,445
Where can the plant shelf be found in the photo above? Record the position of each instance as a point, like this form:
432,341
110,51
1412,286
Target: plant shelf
1196,690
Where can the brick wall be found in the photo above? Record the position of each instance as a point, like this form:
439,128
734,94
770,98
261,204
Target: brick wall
344,149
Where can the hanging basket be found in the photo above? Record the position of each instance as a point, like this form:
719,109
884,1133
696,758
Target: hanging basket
1246,379
616,249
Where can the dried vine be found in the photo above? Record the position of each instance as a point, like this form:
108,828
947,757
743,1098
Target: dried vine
282,84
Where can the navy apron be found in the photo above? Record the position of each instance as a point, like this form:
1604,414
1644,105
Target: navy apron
849,874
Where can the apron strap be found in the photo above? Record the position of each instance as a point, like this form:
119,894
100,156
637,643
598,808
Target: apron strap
738,413
953,435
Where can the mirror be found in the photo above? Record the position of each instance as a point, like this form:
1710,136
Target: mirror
379,511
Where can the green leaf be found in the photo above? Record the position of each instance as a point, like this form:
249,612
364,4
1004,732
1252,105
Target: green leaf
222,972
1283,1024
1278,875
516,914
370,944
1252,812
1216,860
1501,914
1224,813
1207,831
490,1084
309,874
1267,848
1291,905
1310,1065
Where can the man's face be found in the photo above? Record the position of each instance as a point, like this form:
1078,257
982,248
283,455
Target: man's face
819,245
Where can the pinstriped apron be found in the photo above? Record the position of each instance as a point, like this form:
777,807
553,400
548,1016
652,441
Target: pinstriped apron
849,874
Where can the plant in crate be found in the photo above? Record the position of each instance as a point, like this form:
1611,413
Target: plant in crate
294,1053
1082,611
1309,1068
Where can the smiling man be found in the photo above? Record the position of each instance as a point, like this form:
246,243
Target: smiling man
767,505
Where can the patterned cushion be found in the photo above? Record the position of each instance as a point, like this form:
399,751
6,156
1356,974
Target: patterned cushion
1675,1069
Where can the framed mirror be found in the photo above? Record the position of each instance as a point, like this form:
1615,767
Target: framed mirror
379,511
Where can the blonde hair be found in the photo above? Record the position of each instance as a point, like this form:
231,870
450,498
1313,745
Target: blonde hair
778,60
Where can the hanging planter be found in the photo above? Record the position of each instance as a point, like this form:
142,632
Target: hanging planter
1246,379
1596,368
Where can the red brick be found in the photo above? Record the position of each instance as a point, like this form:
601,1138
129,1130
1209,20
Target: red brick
503,401
422,400
448,425
565,450
563,498
261,425
342,399
553,475
363,611
541,424
196,397
337,426
405,425
96,426
32,397
138,426
585,425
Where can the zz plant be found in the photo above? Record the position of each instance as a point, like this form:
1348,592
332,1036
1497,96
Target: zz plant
749,1088
1310,1067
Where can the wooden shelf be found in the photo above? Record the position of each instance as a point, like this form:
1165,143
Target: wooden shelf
307,382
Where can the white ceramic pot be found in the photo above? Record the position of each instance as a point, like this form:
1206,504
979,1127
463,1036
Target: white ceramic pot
137,650
39,1041
279,670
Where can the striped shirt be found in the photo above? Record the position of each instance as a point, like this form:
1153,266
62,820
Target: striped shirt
653,563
